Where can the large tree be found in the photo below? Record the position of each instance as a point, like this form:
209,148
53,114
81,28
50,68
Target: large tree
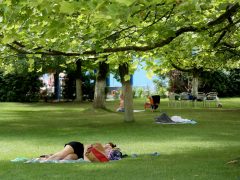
100,85
127,91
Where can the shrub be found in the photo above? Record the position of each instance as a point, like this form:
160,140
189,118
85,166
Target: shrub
19,87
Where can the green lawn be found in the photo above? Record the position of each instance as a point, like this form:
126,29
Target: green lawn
187,151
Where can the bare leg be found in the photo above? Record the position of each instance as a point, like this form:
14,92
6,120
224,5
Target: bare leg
71,157
147,105
62,154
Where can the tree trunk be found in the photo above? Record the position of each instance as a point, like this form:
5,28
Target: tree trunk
128,101
56,86
99,94
100,86
195,85
79,93
127,93
79,96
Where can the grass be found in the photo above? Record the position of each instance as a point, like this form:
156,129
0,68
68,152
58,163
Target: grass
187,151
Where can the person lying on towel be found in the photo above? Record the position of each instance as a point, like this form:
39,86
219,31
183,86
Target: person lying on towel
95,152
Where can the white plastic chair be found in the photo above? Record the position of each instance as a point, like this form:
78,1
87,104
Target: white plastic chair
212,97
185,98
174,99
201,96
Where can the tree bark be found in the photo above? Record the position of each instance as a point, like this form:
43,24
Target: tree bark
195,84
99,94
56,86
100,86
79,96
127,93
128,101
79,93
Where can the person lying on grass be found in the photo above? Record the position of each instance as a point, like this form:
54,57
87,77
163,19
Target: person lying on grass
95,152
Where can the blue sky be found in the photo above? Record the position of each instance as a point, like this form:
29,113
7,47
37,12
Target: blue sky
139,79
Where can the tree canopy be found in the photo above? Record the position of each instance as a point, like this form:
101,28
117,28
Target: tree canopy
81,27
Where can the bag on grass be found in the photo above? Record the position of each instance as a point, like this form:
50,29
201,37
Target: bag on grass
116,154
96,153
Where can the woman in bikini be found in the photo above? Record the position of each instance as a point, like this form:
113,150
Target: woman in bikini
75,150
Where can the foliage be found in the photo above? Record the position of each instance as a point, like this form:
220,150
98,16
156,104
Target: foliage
88,85
17,87
138,92
69,90
161,86
234,83
115,28
179,81
226,83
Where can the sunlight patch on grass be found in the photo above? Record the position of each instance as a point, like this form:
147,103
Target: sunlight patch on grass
177,146
35,107
26,148
32,148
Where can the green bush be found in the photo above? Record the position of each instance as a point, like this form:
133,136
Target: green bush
69,90
19,87
227,84
140,92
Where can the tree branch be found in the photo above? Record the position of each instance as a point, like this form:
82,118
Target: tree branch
179,68
226,27
19,44
160,43
146,8
228,45
220,38
229,12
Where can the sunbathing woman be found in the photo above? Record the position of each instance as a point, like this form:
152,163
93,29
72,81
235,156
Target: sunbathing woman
149,104
121,104
75,150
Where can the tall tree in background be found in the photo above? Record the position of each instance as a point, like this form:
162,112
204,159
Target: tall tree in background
79,92
127,91
100,85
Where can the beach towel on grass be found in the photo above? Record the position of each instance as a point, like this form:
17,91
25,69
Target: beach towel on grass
165,119
38,160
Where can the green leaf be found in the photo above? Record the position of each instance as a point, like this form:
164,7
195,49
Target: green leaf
150,74
66,7
8,2
29,56
134,65
40,69
63,65
31,64
38,55
126,2
7,39
127,77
